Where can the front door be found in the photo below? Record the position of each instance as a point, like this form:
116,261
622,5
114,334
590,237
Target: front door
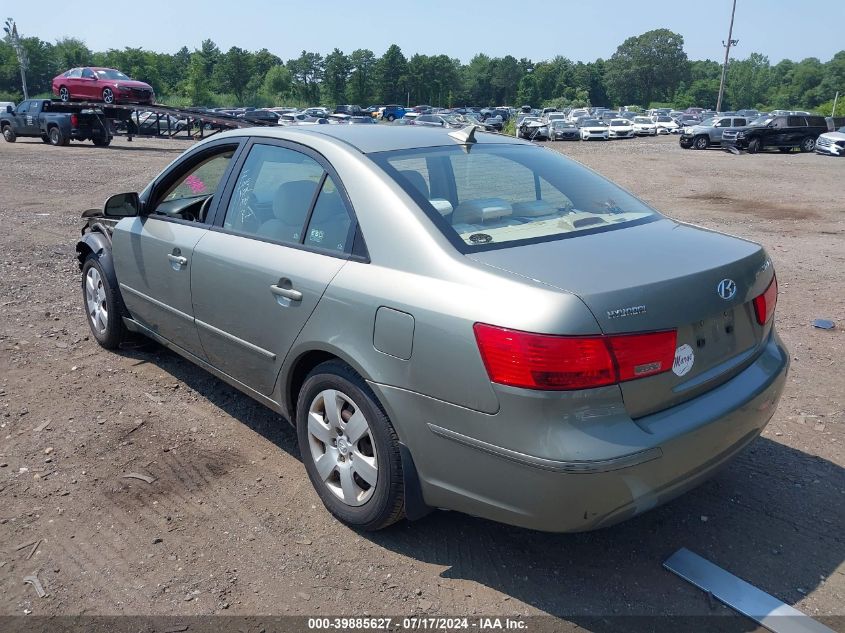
154,253
26,118
286,232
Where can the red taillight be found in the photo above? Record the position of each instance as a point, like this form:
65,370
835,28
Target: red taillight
764,305
74,120
544,361
641,355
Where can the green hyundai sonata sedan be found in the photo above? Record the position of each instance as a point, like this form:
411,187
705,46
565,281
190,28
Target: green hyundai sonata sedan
455,320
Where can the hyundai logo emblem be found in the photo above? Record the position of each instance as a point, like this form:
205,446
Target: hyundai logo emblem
726,289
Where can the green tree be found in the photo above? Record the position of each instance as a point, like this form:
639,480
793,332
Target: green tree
392,76
335,74
277,82
71,52
233,72
307,72
361,85
646,68
747,82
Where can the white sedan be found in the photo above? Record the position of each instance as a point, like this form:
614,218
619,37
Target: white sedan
594,129
666,124
644,126
620,128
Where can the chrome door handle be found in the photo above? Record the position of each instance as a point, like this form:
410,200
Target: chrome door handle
287,293
177,259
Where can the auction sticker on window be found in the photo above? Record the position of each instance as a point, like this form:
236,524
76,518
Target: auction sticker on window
684,359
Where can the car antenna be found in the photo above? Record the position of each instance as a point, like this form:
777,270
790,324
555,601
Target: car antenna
466,135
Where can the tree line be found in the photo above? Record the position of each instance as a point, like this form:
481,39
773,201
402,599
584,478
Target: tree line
648,70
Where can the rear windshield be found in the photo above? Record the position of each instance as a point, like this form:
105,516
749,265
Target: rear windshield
504,195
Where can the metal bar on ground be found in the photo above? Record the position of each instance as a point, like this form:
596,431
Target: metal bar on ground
741,596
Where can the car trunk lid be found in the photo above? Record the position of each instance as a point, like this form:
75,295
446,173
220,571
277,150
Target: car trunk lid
658,276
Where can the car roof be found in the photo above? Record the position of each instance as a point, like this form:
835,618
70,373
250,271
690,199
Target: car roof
375,138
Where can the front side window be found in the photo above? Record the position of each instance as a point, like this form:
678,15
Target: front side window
273,194
201,180
509,194
88,74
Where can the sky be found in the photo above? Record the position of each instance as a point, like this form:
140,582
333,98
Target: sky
584,30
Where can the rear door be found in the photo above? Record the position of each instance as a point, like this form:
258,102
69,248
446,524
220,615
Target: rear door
796,130
284,234
154,252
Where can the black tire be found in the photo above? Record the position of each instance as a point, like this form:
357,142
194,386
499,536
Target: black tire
56,137
701,142
9,134
685,143
808,144
64,94
108,95
386,503
754,145
101,142
391,118
113,332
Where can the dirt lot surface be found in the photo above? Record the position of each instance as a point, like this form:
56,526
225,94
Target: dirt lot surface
231,524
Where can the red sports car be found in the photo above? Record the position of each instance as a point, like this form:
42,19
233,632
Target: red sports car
101,84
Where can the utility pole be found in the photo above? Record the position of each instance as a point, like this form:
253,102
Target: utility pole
11,30
835,99
727,46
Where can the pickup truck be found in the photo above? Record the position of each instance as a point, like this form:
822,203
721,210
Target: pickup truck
54,123
782,131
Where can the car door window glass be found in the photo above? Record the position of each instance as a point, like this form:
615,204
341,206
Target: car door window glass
88,74
76,73
185,197
796,121
273,194
330,224
740,122
23,108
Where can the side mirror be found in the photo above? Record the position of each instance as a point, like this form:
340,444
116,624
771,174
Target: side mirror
10,109
122,205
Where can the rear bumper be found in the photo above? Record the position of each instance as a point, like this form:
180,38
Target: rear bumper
548,462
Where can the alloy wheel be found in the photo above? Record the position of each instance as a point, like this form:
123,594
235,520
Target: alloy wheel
108,95
342,447
64,94
95,300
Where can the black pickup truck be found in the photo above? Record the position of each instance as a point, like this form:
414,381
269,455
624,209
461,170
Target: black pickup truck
55,123
785,132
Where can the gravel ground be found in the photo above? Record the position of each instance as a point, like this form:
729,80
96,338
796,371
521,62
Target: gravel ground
231,524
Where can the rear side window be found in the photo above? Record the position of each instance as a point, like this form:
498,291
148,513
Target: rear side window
503,194
273,194
330,225
816,121
76,73
740,122
796,121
